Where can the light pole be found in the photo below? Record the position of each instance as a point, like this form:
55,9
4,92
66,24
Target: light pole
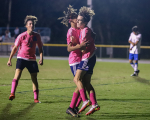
9,14
89,3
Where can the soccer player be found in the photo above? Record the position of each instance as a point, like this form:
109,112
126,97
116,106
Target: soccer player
86,66
74,47
26,57
135,42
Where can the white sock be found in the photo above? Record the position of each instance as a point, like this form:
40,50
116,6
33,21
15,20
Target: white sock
136,67
132,65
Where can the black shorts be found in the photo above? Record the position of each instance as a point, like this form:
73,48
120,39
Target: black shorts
32,66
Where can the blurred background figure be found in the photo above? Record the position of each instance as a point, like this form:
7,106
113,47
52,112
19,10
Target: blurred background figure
39,31
135,43
1,39
6,36
16,31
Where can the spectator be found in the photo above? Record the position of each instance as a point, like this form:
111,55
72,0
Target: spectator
16,31
1,40
7,35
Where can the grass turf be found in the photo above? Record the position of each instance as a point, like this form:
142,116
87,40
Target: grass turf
119,95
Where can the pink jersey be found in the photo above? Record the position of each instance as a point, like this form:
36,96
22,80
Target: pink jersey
74,56
27,45
86,34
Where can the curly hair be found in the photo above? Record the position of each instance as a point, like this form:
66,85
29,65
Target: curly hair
86,13
70,14
30,17
135,29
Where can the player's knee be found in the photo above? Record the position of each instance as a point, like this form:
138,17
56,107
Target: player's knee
76,80
130,61
136,61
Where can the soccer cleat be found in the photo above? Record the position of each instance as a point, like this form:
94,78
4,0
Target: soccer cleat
71,112
137,72
76,109
134,74
12,96
94,108
84,105
36,101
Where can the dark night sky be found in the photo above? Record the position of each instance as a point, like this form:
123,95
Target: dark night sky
112,23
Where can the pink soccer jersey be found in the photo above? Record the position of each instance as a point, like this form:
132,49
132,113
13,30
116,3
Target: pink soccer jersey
74,56
27,45
86,34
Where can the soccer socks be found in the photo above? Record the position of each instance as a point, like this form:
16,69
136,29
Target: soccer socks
74,100
93,98
136,67
82,94
132,65
14,85
36,94
78,101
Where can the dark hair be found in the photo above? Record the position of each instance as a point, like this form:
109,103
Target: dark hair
135,29
86,13
71,14
30,17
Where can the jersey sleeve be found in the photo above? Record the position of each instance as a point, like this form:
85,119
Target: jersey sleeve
138,37
86,34
18,41
39,42
130,38
69,34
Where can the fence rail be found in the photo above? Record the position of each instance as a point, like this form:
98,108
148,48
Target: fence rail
103,51
65,45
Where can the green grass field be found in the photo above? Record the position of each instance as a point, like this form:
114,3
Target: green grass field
119,95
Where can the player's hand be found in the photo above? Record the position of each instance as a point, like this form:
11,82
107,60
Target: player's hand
84,44
41,62
133,44
73,40
9,63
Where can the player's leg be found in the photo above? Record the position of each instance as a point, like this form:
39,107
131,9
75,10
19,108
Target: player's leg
33,70
76,100
76,109
131,60
87,66
72,110
19,67
17,76
136,58
77,79
91,91
35,87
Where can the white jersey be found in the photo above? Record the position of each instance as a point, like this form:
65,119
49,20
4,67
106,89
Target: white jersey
134,38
